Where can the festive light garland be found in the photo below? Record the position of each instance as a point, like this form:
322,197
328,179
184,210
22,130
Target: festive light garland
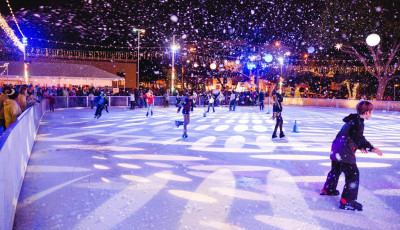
13,16
89,45
10,33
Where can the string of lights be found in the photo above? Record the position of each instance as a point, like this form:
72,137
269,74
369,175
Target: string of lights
10,33
100,46
13,16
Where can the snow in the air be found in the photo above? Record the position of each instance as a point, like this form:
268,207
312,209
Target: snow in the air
127,171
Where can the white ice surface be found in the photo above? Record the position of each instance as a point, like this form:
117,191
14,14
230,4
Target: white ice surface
127,171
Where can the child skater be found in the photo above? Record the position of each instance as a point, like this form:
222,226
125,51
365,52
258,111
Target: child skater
187,105
347,141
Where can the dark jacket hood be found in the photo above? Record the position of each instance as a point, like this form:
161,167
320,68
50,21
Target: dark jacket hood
352,117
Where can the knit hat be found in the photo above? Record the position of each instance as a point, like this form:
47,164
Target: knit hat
12,94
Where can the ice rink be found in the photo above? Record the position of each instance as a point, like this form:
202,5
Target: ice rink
127,171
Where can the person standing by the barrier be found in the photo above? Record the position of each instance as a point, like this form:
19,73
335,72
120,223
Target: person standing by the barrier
91,99
277,112
3,97
150,102
187,105
11,108
22,98
132,100
52,102
166,96
261,97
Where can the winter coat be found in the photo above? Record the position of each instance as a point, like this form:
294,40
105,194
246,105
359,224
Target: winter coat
150,98
3,98
277,100
262,96
187,105
11,111
349,139
22,101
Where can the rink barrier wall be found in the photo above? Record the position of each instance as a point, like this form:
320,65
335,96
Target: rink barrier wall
341,103
15,149
83,101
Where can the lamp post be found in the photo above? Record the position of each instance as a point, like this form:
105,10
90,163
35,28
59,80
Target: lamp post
25,43
394,91
138,53
174,48
6,65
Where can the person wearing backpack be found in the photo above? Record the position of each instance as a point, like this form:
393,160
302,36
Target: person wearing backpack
347,141
277,112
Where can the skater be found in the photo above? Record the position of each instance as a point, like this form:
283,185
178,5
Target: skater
232,103
347,141
210,98
91,98
261,97
166,96
187,105
277,112
100,101
106,102
52,102
132,100
150,102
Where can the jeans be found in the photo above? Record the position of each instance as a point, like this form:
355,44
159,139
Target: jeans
211,104
261,105
186,119
232,104
51,107
150,109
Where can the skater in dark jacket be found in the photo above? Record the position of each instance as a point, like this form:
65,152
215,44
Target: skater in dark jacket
100,101
277,113
187,105
347,141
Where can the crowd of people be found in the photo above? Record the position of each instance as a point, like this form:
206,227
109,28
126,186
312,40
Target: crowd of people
13,101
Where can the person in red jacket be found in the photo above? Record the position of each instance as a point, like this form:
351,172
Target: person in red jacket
150,102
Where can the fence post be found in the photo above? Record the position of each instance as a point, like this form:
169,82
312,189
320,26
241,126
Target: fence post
109,101
127,101
67,102
388,103
87,101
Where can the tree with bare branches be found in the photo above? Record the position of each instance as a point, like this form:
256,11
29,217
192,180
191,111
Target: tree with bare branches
345,25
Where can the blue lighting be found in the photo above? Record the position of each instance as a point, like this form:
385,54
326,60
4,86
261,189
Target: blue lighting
251,66
237,62
310,49
268,58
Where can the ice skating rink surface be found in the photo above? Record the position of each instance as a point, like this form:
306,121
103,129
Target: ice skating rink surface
129,171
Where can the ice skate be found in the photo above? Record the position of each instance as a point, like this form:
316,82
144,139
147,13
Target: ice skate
332,193
350,205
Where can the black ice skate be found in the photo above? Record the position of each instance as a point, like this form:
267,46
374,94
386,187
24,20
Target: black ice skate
350,205
330,193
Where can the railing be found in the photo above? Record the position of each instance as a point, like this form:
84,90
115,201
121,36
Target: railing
83,101
15,149
341,103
